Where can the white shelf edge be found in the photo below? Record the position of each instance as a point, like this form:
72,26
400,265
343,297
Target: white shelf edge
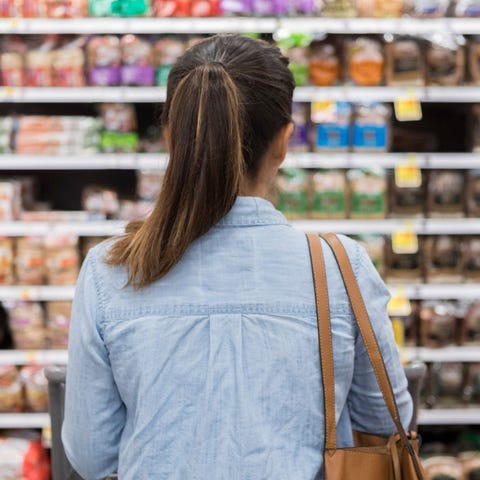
467,354
33,357
457,94
445,416
36,293
95,161
453,226
24,420
84,229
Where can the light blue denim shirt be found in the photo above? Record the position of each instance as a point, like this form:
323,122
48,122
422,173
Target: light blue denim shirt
212,372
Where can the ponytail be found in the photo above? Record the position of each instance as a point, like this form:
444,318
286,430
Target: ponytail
204,120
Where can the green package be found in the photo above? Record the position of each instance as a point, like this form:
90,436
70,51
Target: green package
368,193
119,142
292,197
329,197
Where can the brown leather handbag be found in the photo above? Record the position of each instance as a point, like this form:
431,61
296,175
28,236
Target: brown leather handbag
373,457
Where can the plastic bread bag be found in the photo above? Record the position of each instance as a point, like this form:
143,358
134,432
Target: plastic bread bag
299,141
166,52
445,59
6,261
27,325
365,61
137,60
443,259
293,192
338,8
380,8
367,188
333,128
104,59
11,393
446,193
371,127
404,61
467,8
329,194
58,323
296,47
430,8
35,387
324,63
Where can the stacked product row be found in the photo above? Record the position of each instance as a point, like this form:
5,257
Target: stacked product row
66,61
167,8
376,193
464,466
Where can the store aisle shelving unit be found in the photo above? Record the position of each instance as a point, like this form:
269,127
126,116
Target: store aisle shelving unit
463,94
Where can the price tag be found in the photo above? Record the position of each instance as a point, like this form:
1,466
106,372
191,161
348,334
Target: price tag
398,332
25,294
408,174
408,108
324,111
405,241
399,305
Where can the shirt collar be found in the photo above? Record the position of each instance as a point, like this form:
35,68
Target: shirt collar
252,211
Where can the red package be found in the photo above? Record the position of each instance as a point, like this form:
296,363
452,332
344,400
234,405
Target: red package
172,8
10,8
205,8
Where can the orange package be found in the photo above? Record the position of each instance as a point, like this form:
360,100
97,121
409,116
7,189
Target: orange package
365,62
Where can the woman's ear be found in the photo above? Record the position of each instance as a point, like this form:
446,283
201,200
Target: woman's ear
281,143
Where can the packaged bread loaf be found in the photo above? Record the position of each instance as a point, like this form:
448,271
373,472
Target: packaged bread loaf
62,259
471,259
166,52
471,325
430,8
30,261
474,60
445,60
104,60
10,199
324,66
300,140
100,201
365,61
371,127
35,387
137,61
367,193
12,72
68,67
11,394
380,8
467,8
473,193
471,460
450,382
333,128
6,261
339,8
446,193
27,325
58,323
404,267
406,201
439,468
149,184
292,192
404,62
443,259
38,68
439,325
329,194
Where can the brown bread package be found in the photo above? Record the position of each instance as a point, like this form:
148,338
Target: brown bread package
6,261
381,8
329,194
443,468
406,202
11,392
471,324
365,61
471,463
473,193
444,259
35,388
62,259
440,325
446,193
404,267
30,261
58,324
474,60
27,325
324,68
404,63
471,259
445,61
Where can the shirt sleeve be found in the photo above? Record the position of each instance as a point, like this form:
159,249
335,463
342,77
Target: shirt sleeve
367,407
94,412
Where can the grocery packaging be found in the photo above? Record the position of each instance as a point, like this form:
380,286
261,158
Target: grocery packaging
329,194
11,394
443,467
23,457
467,8
371,127
375,247
292,196
58,323
137,61
300,141
406,201
296,47
439,325
368,197
333,128
118,117
430,8
339,8
62,259
149,184
30,261
403,267
324,67
35,388
104,59
68,65
474,60
404,62
12,72
445,60
365,61
124,8
27,325
98,200
446,192
166,52
380,8
10,200
270,7
471,259
471,324
236,7
443,259
6,261
473,193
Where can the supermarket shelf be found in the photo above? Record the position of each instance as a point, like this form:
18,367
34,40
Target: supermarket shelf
384,160
301,94
84,162
84,229
438,292
158,161
138,25
24,420
33,357
411,26
444,416
452,226
447,354
36,293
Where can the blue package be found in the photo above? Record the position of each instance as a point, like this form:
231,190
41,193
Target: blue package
333,136
374,137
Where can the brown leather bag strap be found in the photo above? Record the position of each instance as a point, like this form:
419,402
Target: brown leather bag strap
366,331
324,338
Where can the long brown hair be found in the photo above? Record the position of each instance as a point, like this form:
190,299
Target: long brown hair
227,98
